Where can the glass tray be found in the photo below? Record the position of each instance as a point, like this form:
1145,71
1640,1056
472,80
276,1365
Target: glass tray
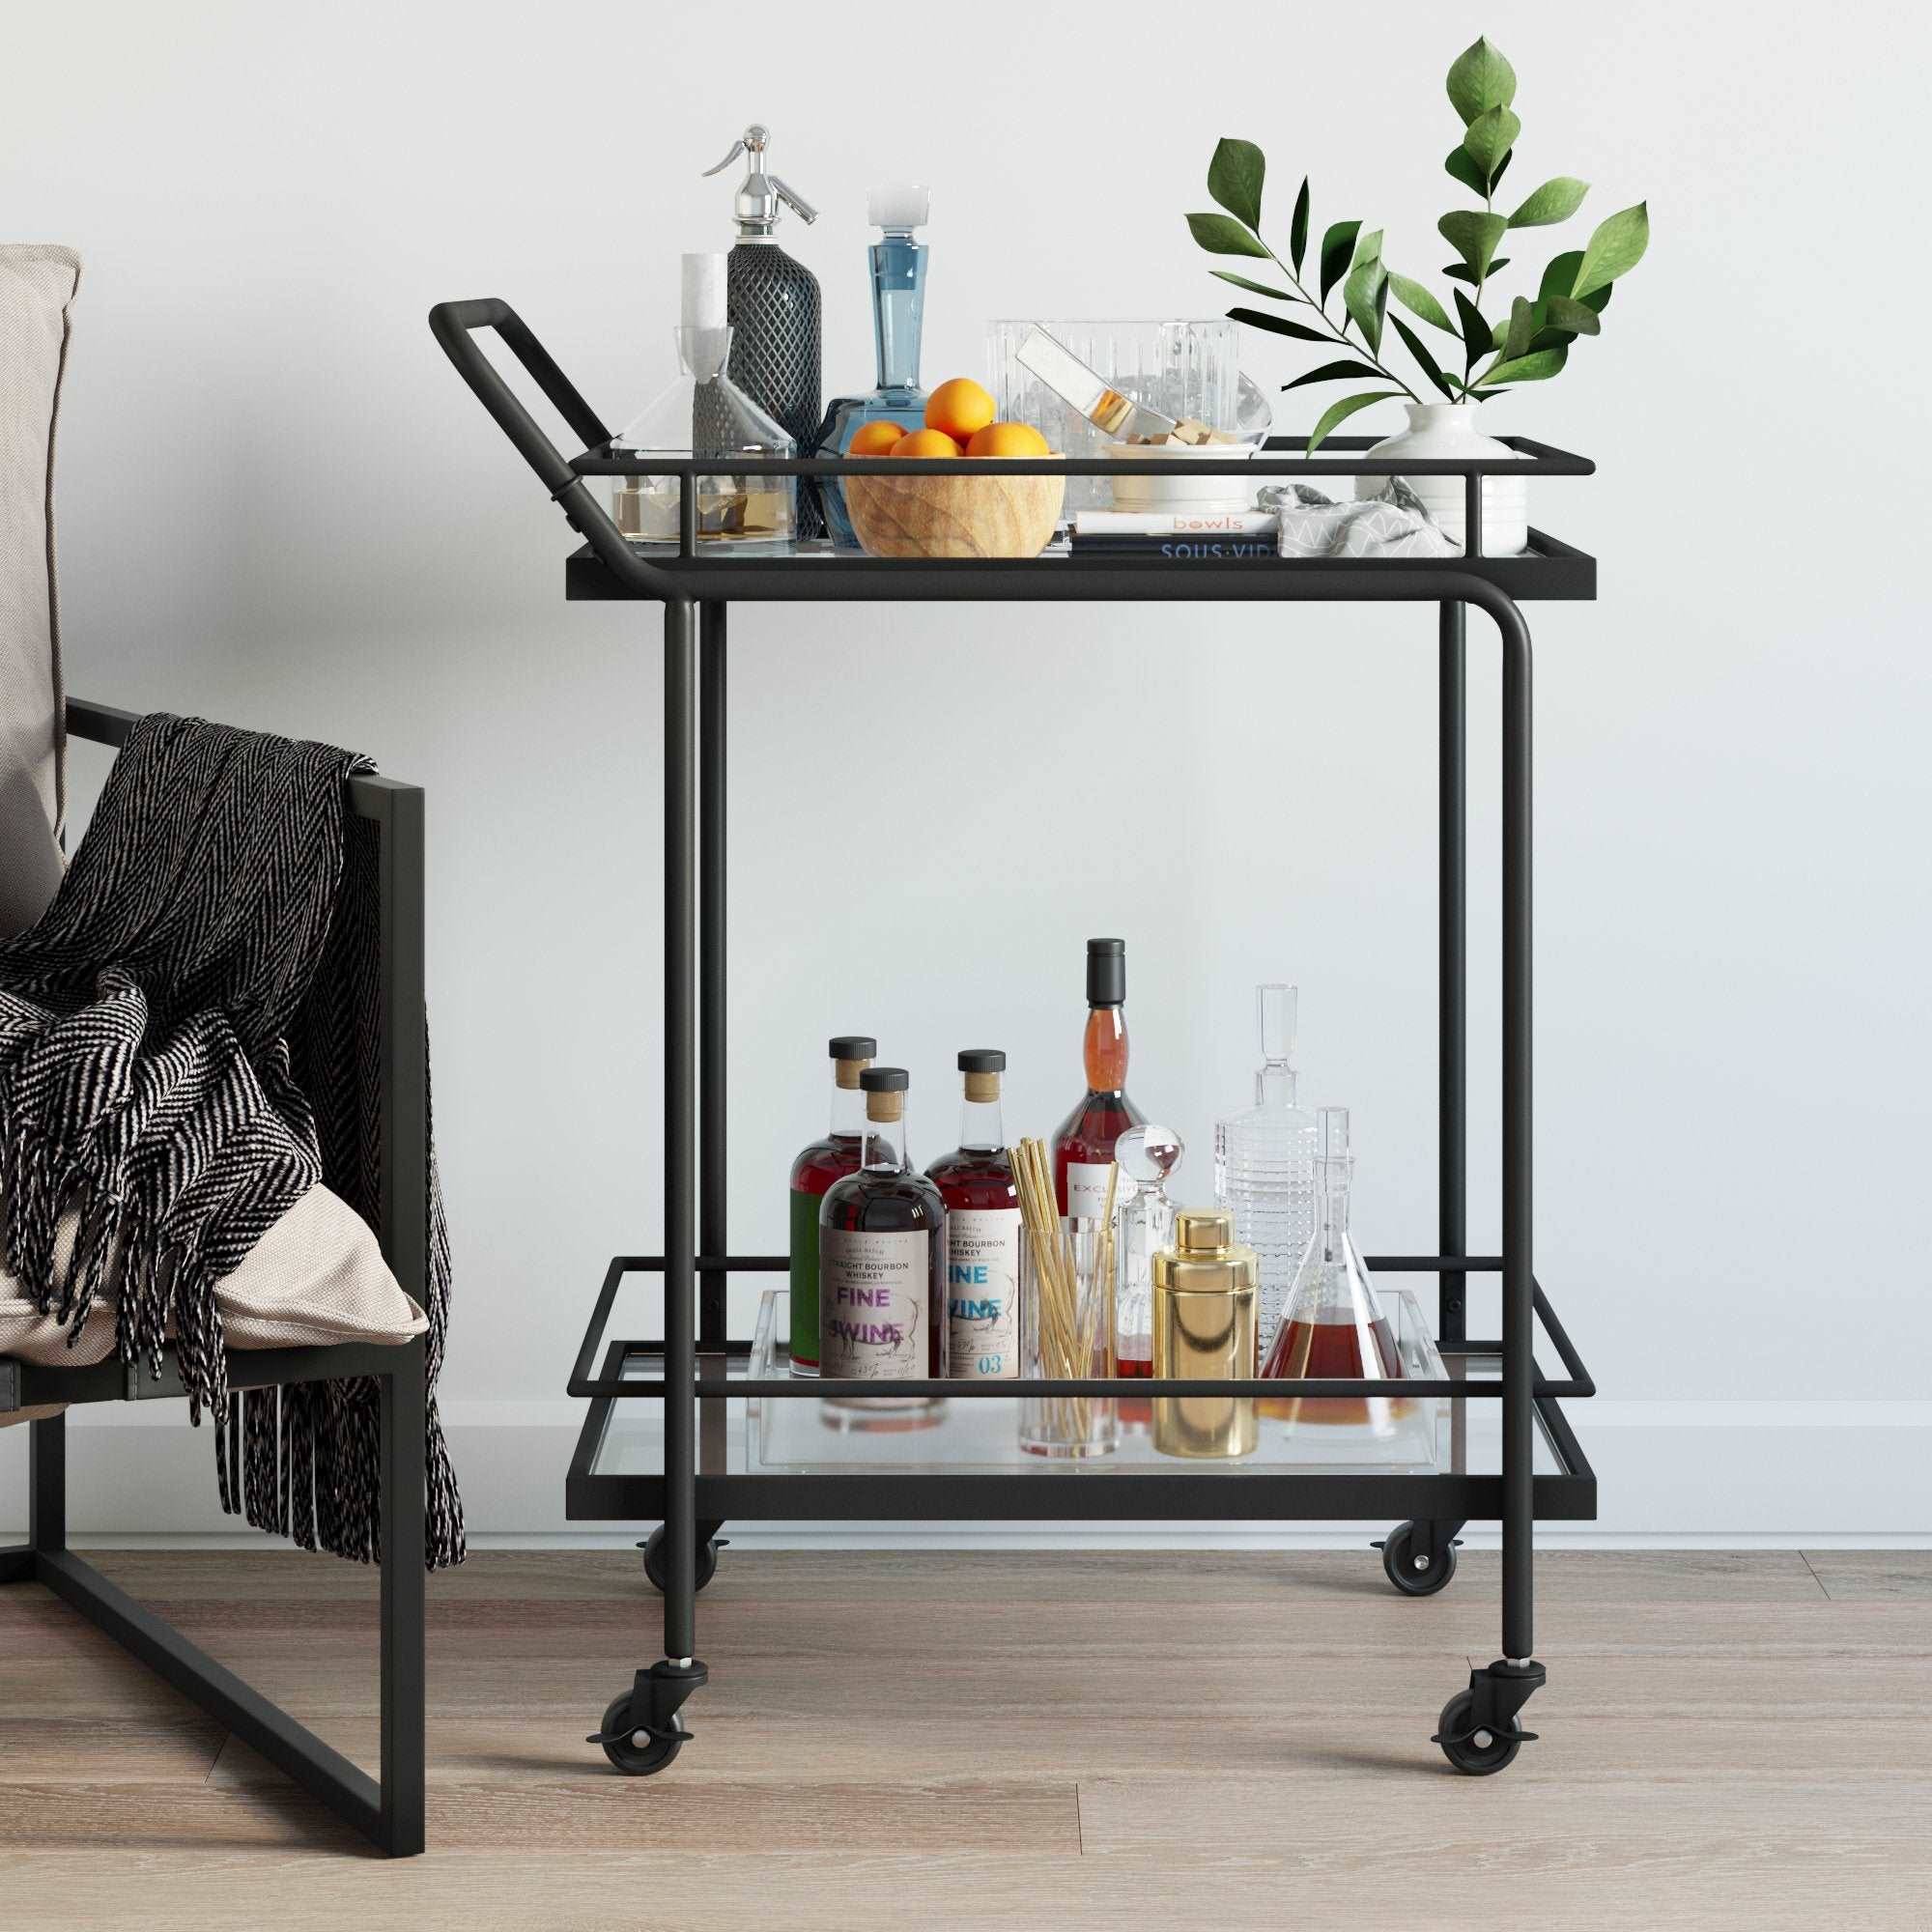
981,1435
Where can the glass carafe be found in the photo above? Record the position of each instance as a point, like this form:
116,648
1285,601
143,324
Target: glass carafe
1333,1324
704,414
1265,1160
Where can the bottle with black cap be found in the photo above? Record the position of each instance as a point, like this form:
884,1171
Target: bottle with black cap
983,1228
815,1171
1083,1148
882,1254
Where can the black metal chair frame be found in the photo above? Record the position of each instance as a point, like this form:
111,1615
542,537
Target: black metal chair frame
390,1813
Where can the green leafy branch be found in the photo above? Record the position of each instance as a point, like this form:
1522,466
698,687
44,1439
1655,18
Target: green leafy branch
1530,344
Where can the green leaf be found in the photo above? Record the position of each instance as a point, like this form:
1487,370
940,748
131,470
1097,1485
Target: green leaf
1616,248
1338,250
1597,298
1523,322
1235,180
1537,367
1473,236
1255,288
1428,363
1566,312
1489,139
1297,234
1333,372
1278,324
1337,413
1556,200
1365,295
1560,278
1367,248
1223,235
1417,300
1480,80
1463,272
1476,337
1461,165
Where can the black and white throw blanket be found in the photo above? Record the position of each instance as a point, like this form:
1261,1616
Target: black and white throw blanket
188,1040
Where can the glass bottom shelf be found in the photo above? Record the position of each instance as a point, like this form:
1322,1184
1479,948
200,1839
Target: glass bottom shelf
739,1436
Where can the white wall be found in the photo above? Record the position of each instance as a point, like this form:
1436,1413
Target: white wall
279,507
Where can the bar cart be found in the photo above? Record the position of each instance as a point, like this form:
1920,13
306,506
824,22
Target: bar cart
699,1371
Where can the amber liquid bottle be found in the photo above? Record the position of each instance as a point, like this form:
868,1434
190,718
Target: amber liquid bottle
812,1173
882,1254
1083,1146
982,1229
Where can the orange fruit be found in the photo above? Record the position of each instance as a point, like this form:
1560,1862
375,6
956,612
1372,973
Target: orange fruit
875,439
960,408
1008,440
927,442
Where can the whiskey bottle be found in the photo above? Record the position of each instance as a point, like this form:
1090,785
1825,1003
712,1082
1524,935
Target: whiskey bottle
812,1173
882,1253
1083,1148
982,1229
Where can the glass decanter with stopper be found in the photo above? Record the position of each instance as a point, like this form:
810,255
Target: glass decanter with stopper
1083,1146
897,262
1147,1158
882,1240
1333,1324
818,1165
704,416
1265,1160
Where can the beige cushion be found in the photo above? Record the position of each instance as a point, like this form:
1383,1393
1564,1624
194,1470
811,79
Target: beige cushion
36,287
316,1277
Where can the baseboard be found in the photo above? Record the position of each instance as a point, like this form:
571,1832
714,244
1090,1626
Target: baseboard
1689,1474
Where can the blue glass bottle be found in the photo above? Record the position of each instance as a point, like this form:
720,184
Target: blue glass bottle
899,312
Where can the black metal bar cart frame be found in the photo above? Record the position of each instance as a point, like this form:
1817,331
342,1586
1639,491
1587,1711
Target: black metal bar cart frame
697,1362
389,1812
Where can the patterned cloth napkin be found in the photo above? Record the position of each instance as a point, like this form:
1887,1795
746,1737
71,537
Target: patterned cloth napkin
1393,524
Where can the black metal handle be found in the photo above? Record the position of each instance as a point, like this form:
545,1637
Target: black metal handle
453,325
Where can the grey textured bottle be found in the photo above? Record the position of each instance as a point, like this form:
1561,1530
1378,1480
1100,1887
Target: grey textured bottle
776,313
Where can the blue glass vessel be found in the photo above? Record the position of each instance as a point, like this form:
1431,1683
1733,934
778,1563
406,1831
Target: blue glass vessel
898,261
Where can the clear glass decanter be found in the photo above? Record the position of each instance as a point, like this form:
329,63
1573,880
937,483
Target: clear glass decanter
898,261
704,413
1265,1160
1333,1324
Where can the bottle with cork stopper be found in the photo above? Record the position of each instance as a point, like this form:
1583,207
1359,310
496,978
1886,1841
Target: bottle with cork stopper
882,1245
983,1228
1083,1148
818,1165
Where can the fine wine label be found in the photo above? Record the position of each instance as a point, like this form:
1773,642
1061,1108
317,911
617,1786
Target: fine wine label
805,1278
872,1294
1086,1187
983,1291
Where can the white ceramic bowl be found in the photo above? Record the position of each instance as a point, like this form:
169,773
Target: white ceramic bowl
1192,494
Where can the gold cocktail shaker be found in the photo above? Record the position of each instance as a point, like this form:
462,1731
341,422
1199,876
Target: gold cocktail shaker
1205,1292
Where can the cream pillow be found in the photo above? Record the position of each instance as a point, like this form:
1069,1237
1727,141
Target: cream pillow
316,1277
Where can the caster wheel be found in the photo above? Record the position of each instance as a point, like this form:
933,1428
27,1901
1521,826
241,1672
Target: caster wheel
1482,1755
1414,1572
636,1754
657,1564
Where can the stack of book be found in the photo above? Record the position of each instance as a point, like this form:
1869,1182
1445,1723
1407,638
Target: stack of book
1183,535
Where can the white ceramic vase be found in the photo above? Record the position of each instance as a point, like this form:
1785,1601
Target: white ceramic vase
1445,431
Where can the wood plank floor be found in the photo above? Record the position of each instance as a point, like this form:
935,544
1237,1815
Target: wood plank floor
1157,1738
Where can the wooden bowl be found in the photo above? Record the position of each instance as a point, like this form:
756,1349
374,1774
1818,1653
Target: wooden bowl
954,516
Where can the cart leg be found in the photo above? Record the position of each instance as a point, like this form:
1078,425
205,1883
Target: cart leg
1479,1732
713,1241
1452,1030
642,1731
